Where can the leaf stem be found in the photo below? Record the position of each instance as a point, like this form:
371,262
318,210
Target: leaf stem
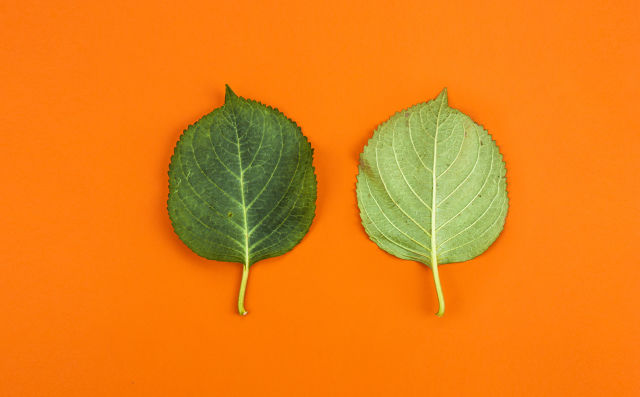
243,289
436,279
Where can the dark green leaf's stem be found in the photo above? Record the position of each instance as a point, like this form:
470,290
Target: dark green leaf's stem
245,270
243,288
436,279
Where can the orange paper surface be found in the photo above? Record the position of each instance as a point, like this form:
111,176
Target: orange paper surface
98,296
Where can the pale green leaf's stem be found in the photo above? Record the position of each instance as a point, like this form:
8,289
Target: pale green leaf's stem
436,279
243,288
434,206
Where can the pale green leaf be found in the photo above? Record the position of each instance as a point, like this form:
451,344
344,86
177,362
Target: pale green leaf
242,187
432,187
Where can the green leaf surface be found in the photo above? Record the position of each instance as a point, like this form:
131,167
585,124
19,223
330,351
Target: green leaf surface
242,186
432,187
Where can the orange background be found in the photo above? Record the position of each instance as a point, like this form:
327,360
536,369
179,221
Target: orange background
98,297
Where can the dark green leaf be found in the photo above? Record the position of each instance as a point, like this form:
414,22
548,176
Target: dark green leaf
242,187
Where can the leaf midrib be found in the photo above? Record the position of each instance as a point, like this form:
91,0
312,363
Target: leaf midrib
434,178
243,202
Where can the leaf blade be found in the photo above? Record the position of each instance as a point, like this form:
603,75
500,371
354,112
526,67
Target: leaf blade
431,186
240,175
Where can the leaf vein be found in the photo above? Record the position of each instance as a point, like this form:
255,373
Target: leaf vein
413,144
213,148
392,241
184,205
186,179
483,232
289,212
389,194
476,196
395,157
272,172
469,175
207,176
284,194
389,220
464,136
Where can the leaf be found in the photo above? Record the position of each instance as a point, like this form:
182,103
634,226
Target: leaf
242,187
432,187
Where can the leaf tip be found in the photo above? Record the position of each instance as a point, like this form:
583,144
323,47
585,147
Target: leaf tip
229,94
443,96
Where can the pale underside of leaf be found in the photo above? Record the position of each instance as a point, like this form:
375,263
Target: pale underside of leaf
431,185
